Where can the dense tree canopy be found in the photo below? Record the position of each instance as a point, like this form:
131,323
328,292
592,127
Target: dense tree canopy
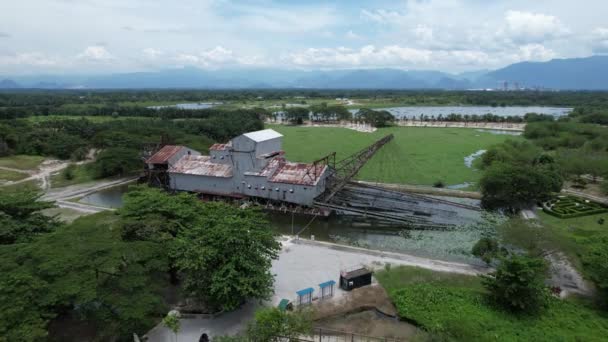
225,258
82,270
20,217
222,254
376,118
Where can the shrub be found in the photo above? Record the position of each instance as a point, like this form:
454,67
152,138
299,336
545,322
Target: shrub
518,284
439,184
487,249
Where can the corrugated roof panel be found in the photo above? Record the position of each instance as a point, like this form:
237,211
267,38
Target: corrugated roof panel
297,173
263,135
201,166
163,155
220,147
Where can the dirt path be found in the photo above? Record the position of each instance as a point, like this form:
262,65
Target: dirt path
27,172
603,200
566,277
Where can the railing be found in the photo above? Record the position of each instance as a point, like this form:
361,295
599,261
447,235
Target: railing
329,335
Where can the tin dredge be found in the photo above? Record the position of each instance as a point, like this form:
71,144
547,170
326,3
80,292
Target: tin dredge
252,170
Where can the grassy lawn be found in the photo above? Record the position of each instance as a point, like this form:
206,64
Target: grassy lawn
31,185
416,155
21,162
6,175
81,174
453,307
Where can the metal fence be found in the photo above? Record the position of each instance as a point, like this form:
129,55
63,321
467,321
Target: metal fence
328,335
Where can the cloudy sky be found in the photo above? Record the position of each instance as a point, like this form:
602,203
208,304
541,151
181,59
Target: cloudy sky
101,36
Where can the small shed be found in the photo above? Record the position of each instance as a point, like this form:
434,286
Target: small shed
305,296
327,289
355,278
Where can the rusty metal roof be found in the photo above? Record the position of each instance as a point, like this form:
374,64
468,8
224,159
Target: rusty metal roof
163,155
220,147
297,173
201,166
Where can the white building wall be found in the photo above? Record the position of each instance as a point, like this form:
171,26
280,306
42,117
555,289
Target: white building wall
198,183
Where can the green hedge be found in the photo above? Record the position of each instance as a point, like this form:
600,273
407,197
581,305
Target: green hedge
566,207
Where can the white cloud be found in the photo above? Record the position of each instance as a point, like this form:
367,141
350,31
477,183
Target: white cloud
95,53
383,16
35,59
423,33
152,53
527,27
599,40
386,56
535,52
218,57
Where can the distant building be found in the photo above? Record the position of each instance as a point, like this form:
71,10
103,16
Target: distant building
250,165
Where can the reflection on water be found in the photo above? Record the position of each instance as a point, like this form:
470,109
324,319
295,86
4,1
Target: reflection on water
107,198
452,245
468,160
200,105
416,111
499,131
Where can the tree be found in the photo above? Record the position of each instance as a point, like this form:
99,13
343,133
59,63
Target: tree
297,115
595,262
518,284
225,258
487,249
272,324
82,270
21,219
515,186
116,161
172,322
376,118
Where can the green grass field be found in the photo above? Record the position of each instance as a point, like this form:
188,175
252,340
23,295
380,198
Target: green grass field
81,174
21,162
453,308
416,155
6,175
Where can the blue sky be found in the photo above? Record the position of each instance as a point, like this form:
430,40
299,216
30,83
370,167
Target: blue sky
101,36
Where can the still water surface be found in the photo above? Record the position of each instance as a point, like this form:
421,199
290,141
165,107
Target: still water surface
416,111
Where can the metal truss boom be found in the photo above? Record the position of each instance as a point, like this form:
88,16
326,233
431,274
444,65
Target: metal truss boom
348,168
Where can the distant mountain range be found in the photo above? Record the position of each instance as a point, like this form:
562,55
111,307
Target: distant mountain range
589,73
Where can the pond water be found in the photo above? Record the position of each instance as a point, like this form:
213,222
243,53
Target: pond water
107,198
199,105
453,245
416,111
500,132
468,160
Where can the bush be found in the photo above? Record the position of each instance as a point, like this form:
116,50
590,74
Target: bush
116,161
439,184
486,249
518,284
68,172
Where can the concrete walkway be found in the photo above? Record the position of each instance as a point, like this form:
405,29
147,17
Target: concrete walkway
304,264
